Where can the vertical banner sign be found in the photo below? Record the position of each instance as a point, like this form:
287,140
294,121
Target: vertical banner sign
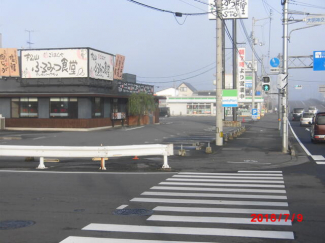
231,9
54,63
241,74
9,62
100,65
119,65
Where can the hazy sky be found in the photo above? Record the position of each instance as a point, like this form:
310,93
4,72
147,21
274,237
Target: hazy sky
158,44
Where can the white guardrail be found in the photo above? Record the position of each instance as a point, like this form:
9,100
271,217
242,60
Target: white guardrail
102,152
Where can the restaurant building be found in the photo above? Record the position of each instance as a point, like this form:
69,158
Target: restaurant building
66,88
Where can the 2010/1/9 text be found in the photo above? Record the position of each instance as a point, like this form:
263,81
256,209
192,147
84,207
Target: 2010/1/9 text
274,218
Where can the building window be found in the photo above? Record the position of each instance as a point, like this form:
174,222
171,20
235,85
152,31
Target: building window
198,108
63,107
15,108
183,89
98,107
28,107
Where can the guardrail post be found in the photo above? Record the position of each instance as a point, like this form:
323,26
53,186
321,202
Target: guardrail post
102,164
165,165
41,163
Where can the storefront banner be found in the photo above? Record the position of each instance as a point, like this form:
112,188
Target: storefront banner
119,66
241,72
59,63
9,66
229,98
100,65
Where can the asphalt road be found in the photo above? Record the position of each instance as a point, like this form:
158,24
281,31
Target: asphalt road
74,202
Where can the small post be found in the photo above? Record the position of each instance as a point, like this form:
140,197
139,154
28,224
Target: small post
165,165
41,164
102,164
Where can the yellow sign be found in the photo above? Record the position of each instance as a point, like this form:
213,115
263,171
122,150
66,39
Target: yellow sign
9,66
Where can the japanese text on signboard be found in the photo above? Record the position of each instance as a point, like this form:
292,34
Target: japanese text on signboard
100,65
119,65
241,74
230,9
60,63
9,62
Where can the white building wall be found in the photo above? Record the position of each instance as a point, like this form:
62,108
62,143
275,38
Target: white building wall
177,109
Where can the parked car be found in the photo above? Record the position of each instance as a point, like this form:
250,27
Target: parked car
297,113
317,130
306,118
164,111
312,109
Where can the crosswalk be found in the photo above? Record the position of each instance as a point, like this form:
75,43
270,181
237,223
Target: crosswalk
219,204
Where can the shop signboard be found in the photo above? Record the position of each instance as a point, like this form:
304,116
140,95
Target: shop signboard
9,66
54,63
229,98
119,66
241,72
100,65
231,9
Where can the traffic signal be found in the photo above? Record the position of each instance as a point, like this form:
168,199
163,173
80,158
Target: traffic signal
266,84
266,87
266,79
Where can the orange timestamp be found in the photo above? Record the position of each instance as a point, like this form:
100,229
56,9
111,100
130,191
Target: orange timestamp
275,218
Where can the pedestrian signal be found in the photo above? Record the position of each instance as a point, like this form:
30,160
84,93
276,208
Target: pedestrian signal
266,87
266,79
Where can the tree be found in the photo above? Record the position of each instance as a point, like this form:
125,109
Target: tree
141,104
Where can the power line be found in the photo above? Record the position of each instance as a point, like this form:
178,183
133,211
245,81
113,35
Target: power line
306,4
178,14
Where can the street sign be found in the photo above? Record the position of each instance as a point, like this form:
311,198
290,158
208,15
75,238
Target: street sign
275,62
319,60
254,113
230,9
314,20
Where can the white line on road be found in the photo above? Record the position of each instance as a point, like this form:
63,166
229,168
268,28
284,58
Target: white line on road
216,189
211,202
122,207
318,157
38,138
227,177
223,220
220,210
76,239
185,194
251,171
128,129
320,162
219,184
233,174
78,172
215,180
303,146
190,231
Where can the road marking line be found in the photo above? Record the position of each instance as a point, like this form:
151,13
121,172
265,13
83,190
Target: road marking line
213,202
182,194
220,210
128,129
216,189
219,184
190,231
223,220
251,171
38,138
233,174
215,180
303,146
76,239
76,172
320,162
318,157
122,206
229,177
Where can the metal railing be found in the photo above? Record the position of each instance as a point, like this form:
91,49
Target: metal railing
101,152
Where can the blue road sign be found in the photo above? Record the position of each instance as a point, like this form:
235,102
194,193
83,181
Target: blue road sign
319,60
254,113
275,62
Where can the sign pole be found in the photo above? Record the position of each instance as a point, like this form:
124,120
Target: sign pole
219,123
285,72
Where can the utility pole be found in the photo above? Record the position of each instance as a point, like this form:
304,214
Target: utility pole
234,64
219,124
285,72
